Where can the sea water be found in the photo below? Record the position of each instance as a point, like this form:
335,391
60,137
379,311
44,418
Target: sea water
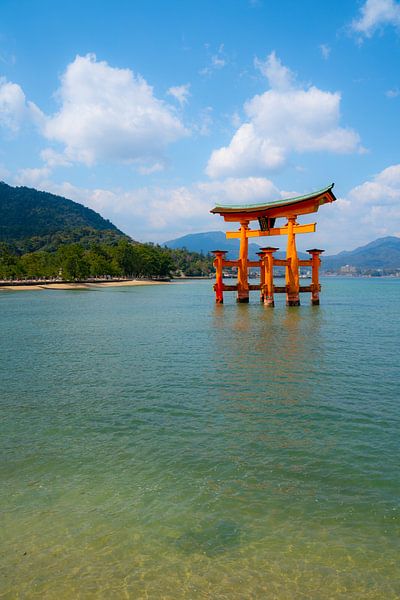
156,445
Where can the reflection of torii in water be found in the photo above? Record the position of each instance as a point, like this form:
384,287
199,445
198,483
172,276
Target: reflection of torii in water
266,214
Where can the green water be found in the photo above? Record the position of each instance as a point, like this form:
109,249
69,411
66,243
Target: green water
155,445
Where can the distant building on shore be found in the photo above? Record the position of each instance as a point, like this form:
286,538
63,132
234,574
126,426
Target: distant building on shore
348,270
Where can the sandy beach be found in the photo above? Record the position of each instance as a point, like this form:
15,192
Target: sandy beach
77,286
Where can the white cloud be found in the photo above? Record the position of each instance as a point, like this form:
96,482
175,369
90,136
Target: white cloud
14,108
181,93
157,213
38,177
393,93
53,158
376,14
279,77
369,211
325,51
283,120
237,190
111,114
218,61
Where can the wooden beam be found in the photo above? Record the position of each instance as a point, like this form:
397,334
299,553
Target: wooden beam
230,263
309,228
281,262
305,263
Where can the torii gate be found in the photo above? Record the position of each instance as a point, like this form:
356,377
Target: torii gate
266,214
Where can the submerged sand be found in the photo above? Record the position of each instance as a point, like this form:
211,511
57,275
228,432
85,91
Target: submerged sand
78,286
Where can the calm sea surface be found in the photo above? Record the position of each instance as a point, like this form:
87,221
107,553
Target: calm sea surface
155,445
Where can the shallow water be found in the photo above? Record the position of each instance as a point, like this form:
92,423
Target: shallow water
156,445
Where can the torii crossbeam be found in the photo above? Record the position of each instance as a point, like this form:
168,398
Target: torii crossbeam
266,215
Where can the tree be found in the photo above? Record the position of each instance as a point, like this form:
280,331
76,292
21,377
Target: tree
10,263
72,262
100,261
39,264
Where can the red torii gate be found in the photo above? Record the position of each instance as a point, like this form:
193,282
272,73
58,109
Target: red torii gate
266,215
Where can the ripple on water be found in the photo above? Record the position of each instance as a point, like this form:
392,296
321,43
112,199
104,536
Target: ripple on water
158,446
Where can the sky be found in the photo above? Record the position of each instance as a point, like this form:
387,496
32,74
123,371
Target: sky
151,112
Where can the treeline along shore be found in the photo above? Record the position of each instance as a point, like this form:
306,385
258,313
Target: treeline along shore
101,261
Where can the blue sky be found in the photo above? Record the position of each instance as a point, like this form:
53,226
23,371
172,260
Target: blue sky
150,112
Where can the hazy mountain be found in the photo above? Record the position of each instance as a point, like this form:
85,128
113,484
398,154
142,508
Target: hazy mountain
32,220
383,253
216,240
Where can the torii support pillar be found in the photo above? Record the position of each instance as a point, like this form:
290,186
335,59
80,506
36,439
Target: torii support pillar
292,268
269,275
243,282
219,284
315,264
262,256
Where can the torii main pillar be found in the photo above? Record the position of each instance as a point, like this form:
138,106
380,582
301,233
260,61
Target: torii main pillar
243,282
292,268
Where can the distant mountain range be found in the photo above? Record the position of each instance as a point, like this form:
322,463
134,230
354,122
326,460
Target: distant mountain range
211,240
32,220
383,253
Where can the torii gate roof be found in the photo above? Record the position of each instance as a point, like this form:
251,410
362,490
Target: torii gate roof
299,205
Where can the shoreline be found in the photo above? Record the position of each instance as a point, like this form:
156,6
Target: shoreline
79,285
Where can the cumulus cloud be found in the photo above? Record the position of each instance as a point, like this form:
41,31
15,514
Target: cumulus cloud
237,190
111,114
368,211
36,177
279,77
53,158
181,93
15,110
159,213
375,14
285,119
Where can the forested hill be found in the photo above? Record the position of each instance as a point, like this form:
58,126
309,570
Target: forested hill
47,236
32,220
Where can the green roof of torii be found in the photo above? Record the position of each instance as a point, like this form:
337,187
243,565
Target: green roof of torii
232,208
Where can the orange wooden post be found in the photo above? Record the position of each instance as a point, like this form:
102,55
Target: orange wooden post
219,284
261,254
269,275
243,283
315,286
292,269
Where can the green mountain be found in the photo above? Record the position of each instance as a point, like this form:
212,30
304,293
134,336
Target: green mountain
31,220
